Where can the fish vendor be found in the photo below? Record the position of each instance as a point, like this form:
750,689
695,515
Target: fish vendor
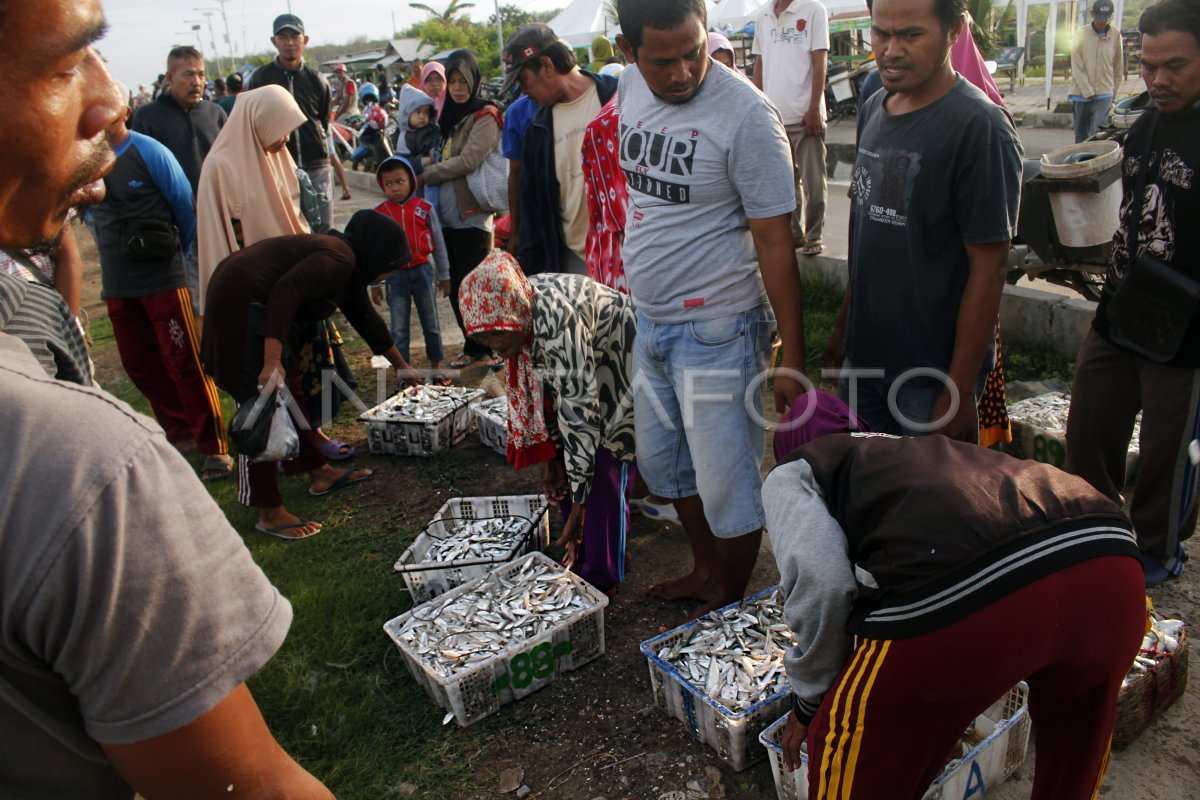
573,337
924,578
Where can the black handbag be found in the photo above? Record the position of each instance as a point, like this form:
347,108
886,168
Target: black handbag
1153,307
250,428
149,239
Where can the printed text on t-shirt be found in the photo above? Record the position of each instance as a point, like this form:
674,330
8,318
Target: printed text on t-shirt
656,156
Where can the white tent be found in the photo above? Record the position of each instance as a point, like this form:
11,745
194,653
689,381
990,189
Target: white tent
733,13
582,21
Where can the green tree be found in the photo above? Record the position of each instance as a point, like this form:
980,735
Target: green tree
453,12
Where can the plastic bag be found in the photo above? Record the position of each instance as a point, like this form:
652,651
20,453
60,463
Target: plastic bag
283,443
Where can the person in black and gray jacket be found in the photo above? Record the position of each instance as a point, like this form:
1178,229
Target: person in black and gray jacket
187,124
961,571
310,146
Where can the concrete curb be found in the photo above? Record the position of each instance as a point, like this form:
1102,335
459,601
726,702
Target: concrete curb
1029,316
1044,119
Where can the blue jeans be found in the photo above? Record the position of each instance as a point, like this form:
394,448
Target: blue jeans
1089,116
699,430
414,284
908,412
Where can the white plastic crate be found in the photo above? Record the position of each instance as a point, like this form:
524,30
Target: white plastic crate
1002,733
474,693
492,426
1048,442
387,435
731,734
425,581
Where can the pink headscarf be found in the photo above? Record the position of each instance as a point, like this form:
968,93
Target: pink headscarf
968,62
426,71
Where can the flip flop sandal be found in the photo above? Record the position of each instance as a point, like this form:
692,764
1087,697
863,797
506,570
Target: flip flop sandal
812,249
464,361
342,482
440,379
279,531
222,466
495,363
335,450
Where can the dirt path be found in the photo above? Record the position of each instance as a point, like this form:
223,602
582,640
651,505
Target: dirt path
595,733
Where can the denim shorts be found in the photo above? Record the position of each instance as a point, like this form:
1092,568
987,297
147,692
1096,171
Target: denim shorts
699,413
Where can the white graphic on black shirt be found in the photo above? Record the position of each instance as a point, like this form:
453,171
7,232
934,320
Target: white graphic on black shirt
656,158
892,176
1155,234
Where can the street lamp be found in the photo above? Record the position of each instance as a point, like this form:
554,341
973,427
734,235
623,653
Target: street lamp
212,38
195,23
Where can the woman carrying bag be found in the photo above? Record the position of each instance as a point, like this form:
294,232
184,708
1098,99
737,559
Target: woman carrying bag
471,127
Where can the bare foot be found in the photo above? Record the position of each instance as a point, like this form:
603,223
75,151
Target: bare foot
326,479
692,586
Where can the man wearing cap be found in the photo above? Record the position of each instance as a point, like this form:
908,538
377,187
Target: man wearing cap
552,198
1096,70
309,147
345,94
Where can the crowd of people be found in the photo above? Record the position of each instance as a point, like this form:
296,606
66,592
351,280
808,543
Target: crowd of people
649,273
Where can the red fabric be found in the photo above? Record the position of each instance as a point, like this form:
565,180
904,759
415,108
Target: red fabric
607,198
159,349
496,296
414,215
891,717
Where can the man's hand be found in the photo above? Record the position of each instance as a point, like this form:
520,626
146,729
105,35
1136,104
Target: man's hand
444,288
376,294
787,385
812,122
794,734
269,370
964,425
554,480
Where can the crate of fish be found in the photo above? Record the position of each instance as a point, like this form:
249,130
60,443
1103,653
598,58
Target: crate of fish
420,421
1157,679
1039,427
502,637
991,748
722,675
467,537
491,422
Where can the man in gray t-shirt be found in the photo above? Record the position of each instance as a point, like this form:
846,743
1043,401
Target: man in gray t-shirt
707,244
131,614
934,198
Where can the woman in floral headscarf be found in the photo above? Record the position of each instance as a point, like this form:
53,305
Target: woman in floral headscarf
569,343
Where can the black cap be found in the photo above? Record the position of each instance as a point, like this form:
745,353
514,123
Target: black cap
287,21
525,45
1102,9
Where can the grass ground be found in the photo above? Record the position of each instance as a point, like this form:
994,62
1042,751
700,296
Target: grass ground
337,695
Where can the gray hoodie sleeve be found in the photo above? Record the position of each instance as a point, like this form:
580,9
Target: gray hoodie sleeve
441,257
817,580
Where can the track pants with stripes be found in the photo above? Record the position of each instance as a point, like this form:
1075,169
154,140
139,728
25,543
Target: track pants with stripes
888,723
1111,386
160,351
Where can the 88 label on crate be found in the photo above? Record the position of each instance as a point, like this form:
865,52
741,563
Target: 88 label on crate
536,664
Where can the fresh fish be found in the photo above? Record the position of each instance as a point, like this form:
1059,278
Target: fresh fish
735,655
1049,413
452,633
496,407
423,404
491,538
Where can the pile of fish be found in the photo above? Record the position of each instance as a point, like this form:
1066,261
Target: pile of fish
1160,641
453,632
496,407
736,654
475,539
1049,412
424,403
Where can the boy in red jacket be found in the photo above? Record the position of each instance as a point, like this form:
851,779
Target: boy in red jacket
414,282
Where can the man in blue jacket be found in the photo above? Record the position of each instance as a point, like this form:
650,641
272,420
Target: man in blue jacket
553,210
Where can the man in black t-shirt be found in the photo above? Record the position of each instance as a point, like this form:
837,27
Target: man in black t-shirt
933,208
1112,381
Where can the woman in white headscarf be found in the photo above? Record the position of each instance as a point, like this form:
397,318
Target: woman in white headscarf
248,186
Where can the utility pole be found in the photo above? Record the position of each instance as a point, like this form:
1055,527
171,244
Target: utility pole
196,23
499,32
212,37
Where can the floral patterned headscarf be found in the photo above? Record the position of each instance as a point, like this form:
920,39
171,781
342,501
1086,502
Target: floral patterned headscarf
496,296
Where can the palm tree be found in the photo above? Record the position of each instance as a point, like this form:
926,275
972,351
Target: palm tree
452,10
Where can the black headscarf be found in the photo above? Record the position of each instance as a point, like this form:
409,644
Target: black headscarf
452,112
378,242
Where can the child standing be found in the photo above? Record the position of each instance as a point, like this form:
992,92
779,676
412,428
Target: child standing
414,282
420,138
